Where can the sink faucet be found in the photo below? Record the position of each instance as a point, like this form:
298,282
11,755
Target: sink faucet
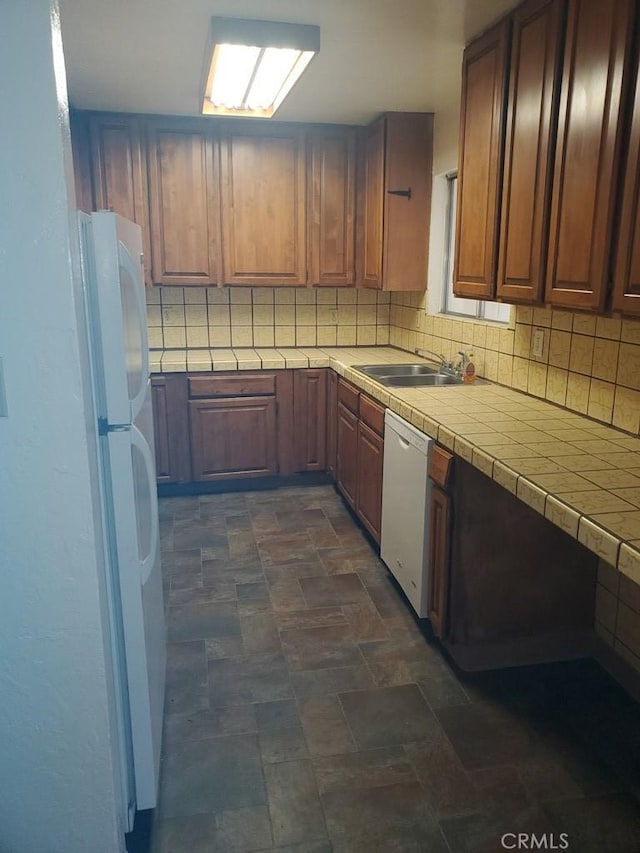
448,366
425,353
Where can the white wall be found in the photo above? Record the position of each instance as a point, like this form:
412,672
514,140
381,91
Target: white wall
445,142
445,160
56,766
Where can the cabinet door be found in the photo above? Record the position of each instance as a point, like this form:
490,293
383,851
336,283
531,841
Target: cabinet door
332,421
626,293
372,204
347,454
484,79
309,419
590,123
171,427
263,208
439,547
369,493
182,203
534,84
407,200
332,202
119,173
233,438
81,161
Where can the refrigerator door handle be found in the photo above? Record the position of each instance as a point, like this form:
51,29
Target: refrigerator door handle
125,261
148,562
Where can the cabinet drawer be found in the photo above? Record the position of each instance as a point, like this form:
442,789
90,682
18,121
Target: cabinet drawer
441,466
348,395
232,385
372,414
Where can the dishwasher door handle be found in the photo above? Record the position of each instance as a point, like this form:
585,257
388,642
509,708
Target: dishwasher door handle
403,442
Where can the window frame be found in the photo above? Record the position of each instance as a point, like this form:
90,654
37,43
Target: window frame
478,307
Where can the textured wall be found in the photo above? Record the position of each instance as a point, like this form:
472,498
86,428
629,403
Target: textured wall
56,772
590,364
618,613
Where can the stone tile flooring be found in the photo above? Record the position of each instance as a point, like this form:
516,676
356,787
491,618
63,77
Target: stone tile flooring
306,711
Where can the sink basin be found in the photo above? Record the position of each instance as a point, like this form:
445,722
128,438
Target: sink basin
410,375
417,381
377,370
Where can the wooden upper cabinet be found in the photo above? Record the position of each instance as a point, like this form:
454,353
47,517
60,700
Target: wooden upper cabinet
264,207
395,202
372,204
81,153
484,81
590,124
119,173
626,285
183,199
331,188
534,85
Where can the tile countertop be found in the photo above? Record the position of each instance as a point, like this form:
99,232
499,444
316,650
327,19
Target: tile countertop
580,474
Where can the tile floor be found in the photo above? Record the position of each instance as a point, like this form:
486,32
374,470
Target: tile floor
306,711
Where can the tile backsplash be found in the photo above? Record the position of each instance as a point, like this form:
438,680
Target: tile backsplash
618,613
589,364
203,317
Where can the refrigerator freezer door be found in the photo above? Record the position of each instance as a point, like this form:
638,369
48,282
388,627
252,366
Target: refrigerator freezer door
122,319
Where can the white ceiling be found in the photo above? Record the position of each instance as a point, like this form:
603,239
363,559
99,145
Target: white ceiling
376,55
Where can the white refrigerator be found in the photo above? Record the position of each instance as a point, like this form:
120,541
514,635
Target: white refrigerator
116,316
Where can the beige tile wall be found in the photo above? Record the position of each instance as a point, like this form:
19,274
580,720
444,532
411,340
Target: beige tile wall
618,613
200,317
590,364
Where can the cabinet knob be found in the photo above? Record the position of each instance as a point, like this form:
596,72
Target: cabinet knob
404,193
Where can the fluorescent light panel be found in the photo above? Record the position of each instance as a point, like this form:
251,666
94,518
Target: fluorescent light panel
255,64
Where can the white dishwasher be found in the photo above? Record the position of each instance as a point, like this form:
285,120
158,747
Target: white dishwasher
406,495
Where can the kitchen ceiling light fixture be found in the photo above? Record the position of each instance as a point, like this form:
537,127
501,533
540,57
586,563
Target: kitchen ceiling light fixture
251,66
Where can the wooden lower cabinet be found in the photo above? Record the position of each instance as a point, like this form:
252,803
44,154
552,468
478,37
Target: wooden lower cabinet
309,419
233,437
171,428
347,454
369,491
332,421
439,539
359,454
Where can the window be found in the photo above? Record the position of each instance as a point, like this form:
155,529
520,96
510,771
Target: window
451,304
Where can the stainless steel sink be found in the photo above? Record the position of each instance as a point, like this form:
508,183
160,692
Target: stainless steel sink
417,381
377,370
411,375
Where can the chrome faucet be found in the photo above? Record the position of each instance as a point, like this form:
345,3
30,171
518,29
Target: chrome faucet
425,353
446,366
463,361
